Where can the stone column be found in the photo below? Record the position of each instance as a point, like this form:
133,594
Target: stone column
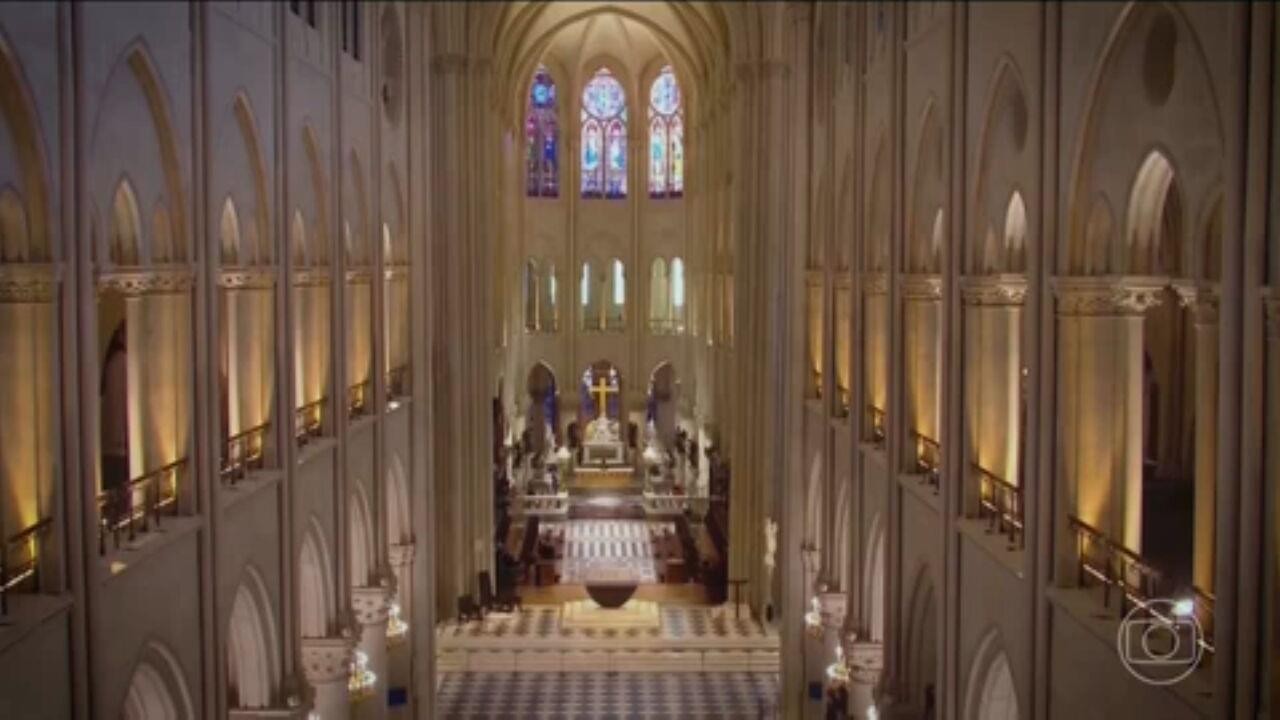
371,606
1203,302
922,355
1100,391
865,661
820,645
326,663
400,661
992,380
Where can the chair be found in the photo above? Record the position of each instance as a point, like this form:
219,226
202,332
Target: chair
468,610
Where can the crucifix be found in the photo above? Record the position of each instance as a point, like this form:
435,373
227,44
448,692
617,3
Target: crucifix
602,391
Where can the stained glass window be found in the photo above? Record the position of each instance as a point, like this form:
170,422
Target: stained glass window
604,137
666,136
542,134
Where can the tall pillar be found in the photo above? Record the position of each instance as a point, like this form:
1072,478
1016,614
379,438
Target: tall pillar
326,663
1203,302
372,606
922,345
865,661
1100,390
400,659
992,376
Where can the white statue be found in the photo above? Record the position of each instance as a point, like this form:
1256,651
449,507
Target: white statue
770,543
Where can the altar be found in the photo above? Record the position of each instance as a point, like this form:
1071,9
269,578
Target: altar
603,444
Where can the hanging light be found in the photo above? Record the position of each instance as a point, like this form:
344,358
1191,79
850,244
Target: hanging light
362,679
397,628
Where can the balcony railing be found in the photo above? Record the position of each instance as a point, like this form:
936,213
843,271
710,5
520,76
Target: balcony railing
309,421
928,459
242,453
1204,605
1000,503
135,506
397,382
25,573
877,428
1102,560
358,397
666,326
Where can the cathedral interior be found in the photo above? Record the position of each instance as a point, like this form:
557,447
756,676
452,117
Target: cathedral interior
389,360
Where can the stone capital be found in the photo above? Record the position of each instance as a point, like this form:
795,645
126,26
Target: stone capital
244,278
921,287
359,276
1201,299
832,606
28,283
172,280
994,290
864,659
371,605
1107,295
310,277
875,283
327,660
1271,311
401,554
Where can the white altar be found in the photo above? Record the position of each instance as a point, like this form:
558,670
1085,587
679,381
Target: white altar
603,443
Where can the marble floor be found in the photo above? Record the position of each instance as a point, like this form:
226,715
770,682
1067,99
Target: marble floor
726,696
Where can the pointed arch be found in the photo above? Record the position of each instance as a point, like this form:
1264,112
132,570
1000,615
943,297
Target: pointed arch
1002,141
990,692
315,582
880,211
666,135
1153,232
319,254
874,580
360,532
253,662
542,136
814,501
928,196
921,656
17,111
399,524
158,688
356,242
15,240
263,250
1015,235
229,232
125,239
604,136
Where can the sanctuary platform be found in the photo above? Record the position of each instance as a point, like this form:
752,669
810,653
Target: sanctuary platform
538,639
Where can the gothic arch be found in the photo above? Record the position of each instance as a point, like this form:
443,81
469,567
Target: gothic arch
920,658
1153,225
398,251
814,501
319,254
1138,98
315,582
157,689
928,195
229,232
253,663
355,222
879,209
263,250
990,691
124,239
874,580
999,173
363,555
843,535
17,109
399,525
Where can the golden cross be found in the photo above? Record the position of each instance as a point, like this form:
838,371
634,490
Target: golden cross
602,390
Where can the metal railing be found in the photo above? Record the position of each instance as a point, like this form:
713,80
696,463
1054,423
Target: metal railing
136,505
1204,605
928,459
397,382
242,453
877,426
27,570
309,421
358,397
1114,566
1000,503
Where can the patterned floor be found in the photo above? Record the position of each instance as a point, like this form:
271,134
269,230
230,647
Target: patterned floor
727,696
608,549
542,622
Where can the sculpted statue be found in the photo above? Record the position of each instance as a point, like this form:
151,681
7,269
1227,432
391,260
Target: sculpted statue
770,542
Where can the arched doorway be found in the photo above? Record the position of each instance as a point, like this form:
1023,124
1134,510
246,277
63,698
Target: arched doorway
157,690
251,646
921,657
542,420
314,588
875,581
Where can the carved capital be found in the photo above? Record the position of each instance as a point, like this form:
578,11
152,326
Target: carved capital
926,288
1202,299
310,277
359,276
371,604
247,278
864,659
402,554
1107,296
1271,311
28,283
327,660
157,281
875,283
832,606
994,290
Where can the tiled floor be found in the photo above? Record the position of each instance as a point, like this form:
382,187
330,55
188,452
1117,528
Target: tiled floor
727,696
